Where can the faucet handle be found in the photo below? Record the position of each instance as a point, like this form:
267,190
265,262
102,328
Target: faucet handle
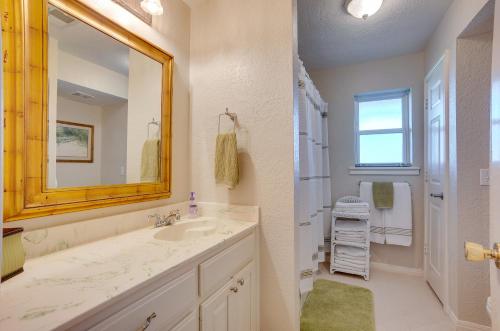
155,215
157,219
177,214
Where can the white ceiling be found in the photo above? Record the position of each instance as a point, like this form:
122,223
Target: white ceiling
96,98
88,43
329,37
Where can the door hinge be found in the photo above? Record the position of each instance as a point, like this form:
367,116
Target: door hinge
426,250
426,103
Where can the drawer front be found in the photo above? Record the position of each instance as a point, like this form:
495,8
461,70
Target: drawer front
218,270
168,304
190,323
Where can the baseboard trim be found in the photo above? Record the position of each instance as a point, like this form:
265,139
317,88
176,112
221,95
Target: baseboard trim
465,325
397,269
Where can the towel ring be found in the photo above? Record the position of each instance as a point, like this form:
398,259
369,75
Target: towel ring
232,116
153,122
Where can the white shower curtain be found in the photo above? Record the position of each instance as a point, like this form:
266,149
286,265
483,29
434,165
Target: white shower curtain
315,198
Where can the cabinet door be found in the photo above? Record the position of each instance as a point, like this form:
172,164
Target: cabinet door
242,303
215,310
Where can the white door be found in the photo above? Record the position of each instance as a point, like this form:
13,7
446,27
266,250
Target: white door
242,305
495,171
435,103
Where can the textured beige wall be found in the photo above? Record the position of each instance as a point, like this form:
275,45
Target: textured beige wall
473,142
114,140
454,22
338,87
241,58
144,105
80,174
170,32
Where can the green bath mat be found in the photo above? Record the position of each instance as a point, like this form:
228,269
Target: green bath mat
334,306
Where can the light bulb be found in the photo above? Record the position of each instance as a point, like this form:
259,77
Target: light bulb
152,7
363,8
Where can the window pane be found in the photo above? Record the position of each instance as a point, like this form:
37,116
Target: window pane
381,114
381,148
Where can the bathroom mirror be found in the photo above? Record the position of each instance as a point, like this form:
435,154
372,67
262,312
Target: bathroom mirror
93,127
104,107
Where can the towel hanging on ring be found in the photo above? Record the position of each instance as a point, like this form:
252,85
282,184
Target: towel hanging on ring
226,155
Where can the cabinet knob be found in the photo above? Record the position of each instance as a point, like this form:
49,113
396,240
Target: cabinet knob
241,282
148,321
234,289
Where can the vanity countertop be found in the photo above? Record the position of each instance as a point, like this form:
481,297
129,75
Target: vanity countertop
57,288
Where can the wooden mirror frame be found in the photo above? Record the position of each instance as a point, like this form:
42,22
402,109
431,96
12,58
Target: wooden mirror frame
24,56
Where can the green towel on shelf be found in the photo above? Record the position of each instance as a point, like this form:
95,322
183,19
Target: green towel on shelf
226,160
383,195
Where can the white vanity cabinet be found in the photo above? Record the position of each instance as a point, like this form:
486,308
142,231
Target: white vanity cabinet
232,308
219,293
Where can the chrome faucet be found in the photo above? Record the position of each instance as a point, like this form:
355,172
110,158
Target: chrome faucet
161,220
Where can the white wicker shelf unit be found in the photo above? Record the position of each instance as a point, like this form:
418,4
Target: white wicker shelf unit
364,245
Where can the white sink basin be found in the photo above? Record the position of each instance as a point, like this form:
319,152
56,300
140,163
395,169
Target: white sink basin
188,229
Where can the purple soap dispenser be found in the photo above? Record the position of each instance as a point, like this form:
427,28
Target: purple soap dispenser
193,207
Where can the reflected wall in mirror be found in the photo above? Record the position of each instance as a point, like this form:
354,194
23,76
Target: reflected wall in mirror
104,108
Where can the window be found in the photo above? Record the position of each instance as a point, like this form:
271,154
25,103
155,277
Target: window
383,130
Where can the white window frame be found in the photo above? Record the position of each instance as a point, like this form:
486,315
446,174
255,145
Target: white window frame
406,130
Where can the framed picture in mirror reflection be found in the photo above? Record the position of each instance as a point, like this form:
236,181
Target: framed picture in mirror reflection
74,142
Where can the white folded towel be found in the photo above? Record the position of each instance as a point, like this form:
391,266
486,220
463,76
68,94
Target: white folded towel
352,205
355,234
350,258
350,239
352,209
350,234
398,220
350,262
377,233
351,226
349,266
344,237
349,250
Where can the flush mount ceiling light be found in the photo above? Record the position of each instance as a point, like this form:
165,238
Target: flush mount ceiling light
152,7
362,8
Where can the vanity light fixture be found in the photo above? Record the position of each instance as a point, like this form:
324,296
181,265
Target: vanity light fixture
363,8
152,7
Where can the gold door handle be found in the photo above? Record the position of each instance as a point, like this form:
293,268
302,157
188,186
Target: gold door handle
476,252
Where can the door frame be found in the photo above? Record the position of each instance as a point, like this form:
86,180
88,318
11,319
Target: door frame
445,61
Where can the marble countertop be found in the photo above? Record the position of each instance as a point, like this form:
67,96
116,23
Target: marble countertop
57,288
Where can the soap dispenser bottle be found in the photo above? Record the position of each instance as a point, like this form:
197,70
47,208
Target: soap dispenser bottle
193,207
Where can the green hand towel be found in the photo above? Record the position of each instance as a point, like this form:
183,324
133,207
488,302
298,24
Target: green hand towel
150,161
383,195
226,160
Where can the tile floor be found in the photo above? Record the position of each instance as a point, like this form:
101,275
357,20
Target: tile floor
402,302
